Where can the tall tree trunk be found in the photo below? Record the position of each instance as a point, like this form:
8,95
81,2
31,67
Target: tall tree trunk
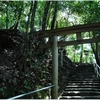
34,6
44,20
74,56
33,15
81,56
19,17
46,9
31,35
95,50
54,17
96,54
27,36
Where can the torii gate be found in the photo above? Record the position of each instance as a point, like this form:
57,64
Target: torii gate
54,45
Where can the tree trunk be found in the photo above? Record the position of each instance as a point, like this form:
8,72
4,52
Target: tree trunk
54,16
46,9
19,17
33,15
27,35
95,50
31,35
96,54
81,56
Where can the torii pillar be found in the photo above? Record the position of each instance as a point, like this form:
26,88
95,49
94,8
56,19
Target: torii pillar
54,91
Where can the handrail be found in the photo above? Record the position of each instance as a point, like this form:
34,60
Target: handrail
96,67
35,91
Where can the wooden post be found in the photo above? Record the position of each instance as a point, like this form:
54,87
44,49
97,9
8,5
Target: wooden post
78,36
54,91
61,57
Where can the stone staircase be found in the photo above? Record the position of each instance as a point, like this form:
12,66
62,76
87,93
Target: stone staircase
82,85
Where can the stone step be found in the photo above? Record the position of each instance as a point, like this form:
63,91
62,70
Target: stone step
80,97
80,93
82,89
84,79
86,72
83,83
87,75
82,86
81,75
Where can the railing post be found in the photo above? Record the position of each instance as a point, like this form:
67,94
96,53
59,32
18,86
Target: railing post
49,93
54,90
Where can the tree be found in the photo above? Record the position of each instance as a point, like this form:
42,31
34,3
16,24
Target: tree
46,9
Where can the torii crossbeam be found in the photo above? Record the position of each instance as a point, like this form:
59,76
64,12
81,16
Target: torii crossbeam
69,30
54,44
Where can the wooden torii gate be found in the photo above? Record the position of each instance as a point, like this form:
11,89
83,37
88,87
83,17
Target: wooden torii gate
55,44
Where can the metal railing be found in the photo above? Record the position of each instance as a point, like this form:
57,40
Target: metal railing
32,92
96,67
